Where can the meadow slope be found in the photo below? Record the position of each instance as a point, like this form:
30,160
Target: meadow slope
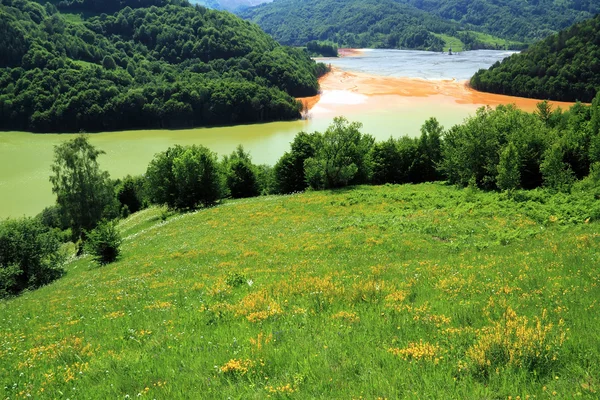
413,291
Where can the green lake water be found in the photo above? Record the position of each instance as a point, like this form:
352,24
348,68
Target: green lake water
25,158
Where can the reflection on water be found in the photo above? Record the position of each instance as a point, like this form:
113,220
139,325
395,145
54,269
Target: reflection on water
25,158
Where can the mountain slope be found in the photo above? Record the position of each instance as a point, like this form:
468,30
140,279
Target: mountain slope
565,67
372,291
411,23
169,66
512,19
352,23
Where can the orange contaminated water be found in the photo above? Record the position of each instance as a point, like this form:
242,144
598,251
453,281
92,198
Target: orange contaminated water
415,90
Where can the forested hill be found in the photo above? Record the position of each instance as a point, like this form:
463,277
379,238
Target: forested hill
417,24
564,66
169,66
512,19
351,23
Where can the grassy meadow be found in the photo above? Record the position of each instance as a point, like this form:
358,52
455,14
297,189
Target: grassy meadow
413,291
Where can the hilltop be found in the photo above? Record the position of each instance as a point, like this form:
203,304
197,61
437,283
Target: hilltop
564,66
396,291
160,64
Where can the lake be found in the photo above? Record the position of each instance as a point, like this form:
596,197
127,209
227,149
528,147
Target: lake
371,87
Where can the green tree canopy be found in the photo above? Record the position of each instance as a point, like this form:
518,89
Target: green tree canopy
185,177
341,156
84,193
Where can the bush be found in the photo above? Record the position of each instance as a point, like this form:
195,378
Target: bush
240,174
185,177
30,255
289,169
131,194
104,242
392,161
341,156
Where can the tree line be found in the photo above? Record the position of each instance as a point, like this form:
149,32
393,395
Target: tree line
564,66
502,149
150,67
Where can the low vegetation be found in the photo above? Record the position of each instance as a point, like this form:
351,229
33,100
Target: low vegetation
405,291
472,288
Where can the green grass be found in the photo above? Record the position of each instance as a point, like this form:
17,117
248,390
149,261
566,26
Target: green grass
494,40
73,18
451,42
83,63
457,45
392,292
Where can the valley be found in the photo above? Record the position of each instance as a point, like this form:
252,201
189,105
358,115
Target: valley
390,92
299,199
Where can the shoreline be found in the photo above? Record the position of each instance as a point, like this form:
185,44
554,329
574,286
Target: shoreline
347,52
405,88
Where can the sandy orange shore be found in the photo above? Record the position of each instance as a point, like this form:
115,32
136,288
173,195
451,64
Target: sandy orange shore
349,52
444,90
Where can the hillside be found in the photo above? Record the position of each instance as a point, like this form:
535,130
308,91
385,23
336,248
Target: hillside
158,67
565,66
354,23
413,291
511,19
417,24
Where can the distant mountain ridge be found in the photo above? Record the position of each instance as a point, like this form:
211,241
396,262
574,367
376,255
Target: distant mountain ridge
564,66
416,23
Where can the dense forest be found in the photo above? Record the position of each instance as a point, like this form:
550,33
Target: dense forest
351,23
415,24
229,5
145,67
564,66
511,19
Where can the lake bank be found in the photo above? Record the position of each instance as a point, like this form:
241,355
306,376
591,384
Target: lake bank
366,87
450,90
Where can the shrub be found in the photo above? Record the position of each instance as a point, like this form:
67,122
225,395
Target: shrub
30,255
557,174
341,156
240,174
104,243
392,161
289,169
185,177
509,173
131,194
